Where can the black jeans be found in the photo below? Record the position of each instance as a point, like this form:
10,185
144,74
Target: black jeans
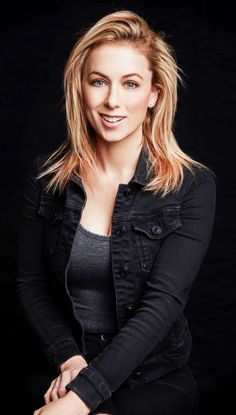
173,394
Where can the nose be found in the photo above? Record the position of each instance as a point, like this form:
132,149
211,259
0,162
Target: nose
112,99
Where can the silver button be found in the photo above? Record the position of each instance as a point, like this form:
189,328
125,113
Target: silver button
156,229
105,337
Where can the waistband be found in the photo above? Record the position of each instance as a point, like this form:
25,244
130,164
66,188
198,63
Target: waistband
99,336
96,342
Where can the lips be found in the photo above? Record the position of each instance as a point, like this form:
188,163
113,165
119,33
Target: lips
113,115
112,118
111,121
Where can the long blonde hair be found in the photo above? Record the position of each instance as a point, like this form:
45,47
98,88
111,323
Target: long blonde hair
77,154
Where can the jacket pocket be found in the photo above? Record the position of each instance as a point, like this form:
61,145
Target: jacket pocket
150,231
176,348
172,353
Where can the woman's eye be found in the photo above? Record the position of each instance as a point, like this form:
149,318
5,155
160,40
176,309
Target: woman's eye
131,85
97,82
100,82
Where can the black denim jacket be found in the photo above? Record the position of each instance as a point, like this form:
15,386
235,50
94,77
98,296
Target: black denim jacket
157,247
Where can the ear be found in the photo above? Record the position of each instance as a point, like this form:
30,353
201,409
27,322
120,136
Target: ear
153,96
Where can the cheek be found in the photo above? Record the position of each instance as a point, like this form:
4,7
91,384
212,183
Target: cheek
138,105
92,98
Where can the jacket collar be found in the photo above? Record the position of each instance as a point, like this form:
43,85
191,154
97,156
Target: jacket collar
140,174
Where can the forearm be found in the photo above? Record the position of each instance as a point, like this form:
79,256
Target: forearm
83,408
73,362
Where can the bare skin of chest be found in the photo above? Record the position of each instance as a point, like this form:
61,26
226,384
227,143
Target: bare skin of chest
97,213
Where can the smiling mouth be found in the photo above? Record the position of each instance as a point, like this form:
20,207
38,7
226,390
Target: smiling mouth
112,119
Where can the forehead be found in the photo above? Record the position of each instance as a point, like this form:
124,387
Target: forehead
117,59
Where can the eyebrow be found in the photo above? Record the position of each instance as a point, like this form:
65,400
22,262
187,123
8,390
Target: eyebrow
124,76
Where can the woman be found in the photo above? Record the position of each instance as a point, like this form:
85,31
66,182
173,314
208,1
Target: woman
115,225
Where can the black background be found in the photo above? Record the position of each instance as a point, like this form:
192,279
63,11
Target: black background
36,37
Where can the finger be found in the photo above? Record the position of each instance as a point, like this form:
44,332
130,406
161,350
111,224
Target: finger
66,377
47,395
64,380
74,373
51,394
54,391
37,412
57,388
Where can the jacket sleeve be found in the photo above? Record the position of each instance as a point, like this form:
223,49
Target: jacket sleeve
164,298
33,288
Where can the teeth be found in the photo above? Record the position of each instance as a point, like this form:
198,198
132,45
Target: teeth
112,119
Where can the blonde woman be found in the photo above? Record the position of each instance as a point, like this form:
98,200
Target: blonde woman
115,225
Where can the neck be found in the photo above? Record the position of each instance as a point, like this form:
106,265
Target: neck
117,161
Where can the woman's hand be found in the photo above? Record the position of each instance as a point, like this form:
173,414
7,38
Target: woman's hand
69,370
70,404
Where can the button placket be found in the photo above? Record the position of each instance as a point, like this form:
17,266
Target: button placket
124,271
129,309
120,231
128,191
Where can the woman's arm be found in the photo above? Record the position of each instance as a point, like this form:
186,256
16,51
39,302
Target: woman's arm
166,292
35,296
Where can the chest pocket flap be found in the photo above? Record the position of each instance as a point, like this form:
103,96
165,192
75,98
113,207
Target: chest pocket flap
159,225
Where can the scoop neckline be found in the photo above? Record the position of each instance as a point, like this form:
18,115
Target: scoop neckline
95,235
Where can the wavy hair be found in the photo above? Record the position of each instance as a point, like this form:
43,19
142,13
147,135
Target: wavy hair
77,154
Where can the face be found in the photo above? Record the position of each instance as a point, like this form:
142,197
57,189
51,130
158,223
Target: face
117,90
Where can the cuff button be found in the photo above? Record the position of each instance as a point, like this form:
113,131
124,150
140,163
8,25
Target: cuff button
137,374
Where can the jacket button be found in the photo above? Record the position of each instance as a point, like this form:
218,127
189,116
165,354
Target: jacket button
120,231
127,191
124,271
156,229
136,375
129,308
105,337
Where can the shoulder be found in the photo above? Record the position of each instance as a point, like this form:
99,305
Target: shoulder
38,162
36,166
204,176
32,186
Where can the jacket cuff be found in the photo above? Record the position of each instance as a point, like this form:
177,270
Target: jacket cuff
59,352
90,387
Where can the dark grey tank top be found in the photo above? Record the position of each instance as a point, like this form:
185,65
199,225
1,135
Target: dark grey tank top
90,281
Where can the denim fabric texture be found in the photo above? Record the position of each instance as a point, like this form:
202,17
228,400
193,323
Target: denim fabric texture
175,393
157,245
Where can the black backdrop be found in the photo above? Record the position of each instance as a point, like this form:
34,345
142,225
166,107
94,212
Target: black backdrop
36,37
